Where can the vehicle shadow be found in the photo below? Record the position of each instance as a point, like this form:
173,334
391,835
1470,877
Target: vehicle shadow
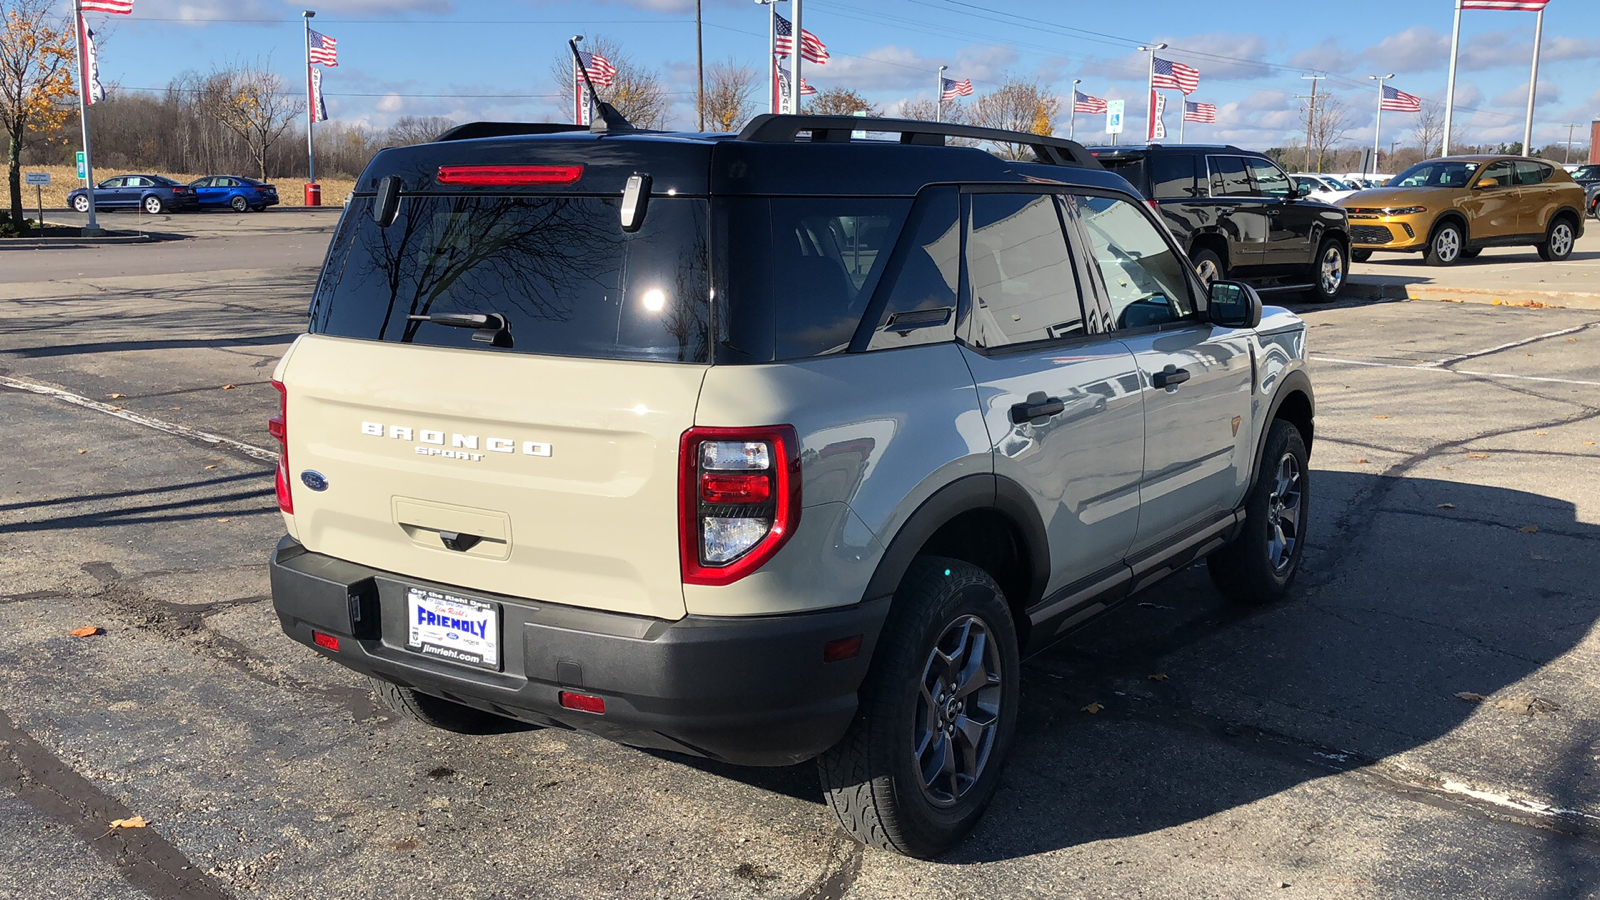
1413,590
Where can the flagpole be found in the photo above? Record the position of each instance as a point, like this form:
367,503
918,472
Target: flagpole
311,108
1533,85
1183,122
1378,128
1150,98
772,54
84,87
1450,84
938,95
1072,117
799,51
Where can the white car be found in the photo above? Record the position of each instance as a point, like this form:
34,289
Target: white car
1325,188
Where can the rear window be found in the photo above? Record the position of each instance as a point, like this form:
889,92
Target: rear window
1131,168
566,277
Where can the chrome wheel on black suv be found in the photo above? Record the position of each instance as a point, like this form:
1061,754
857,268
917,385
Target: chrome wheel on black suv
922,759
1328,270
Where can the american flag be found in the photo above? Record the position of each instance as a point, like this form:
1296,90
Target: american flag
115,7
949,88
1083,103
1399,101
600,69
1175,76
324,49
811,49
1527,5
806,89
1200,112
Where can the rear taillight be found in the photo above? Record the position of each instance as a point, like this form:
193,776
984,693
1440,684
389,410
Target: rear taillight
1154,207
738,500
278,427
180,190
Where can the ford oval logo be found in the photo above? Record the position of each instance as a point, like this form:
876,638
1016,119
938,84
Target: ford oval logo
314,480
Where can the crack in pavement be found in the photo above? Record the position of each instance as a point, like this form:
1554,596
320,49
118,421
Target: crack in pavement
145,859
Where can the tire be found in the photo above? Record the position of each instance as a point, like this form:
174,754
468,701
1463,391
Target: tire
239,204
949,626
153,205
1329,270
1558,240
1360,255
1471,252
438,712
81,203
1261,562
1445,245
1209,266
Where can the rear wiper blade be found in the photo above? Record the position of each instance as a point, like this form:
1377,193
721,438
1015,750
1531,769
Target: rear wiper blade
490,328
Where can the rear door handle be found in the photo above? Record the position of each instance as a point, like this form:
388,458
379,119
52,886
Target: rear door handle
1037,409
1171,376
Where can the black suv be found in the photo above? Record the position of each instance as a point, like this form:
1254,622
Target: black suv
1240,216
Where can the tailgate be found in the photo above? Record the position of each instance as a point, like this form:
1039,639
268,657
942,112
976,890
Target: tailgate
548,478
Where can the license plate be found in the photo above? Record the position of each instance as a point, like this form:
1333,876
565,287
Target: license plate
458,629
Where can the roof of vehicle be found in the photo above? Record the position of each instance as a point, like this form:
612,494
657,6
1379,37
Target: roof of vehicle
1120,151
773,155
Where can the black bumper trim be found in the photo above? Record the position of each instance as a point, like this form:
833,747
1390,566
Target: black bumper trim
749,690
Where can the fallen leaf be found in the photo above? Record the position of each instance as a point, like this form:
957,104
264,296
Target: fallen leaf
1477,456
1443,468
114,396
1588,443
1496,302
135,822
1573,340
175,407
222,520
87,631
116,409
1159,676
81,452
1526,706
1093,708
209,468
1541,432
1529,529
229,387
1471,697
1445,506
1361,460
1380,417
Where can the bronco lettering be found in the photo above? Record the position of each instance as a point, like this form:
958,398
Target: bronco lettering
460,441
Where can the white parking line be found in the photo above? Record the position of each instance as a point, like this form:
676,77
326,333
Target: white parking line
1508,346
184,431
1434,367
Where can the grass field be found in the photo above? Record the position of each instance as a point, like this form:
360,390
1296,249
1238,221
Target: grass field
64,178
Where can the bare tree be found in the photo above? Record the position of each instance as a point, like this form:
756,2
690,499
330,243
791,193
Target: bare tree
249,100
1018,105
1429,132
1330,122
408,130
841,101
729,95
636,92
36,56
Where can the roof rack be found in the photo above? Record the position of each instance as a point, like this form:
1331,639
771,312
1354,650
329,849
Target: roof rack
780,129
505,129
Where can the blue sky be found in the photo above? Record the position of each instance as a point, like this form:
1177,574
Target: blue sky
490,59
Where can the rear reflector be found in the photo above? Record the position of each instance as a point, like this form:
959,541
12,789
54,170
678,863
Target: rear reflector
325,641
843,648
583,702
506,175
735,487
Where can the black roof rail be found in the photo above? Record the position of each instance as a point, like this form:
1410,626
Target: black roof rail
779,129
505,129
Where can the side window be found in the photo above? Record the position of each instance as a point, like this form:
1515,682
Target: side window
1533,173
1023,285
110,183
1228,177
921,278
1498,174
1270,180
1172,176
1145,280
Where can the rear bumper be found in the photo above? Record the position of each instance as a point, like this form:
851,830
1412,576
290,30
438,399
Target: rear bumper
747,690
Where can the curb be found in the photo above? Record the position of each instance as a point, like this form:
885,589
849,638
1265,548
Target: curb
1527,299
45,243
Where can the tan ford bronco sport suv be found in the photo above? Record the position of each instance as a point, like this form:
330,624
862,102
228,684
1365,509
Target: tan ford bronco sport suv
770,446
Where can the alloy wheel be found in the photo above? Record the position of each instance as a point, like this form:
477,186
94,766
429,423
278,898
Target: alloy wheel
1332,273
1208,272
1283,514
1447,244
1560,239
958,711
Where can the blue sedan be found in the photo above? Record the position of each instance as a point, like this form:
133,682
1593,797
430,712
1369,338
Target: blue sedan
234,191
151,193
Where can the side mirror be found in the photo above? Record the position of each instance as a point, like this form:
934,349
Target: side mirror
1303,190
1234,305
1485,183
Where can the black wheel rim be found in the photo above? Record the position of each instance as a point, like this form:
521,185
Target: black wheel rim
1283,514
958,711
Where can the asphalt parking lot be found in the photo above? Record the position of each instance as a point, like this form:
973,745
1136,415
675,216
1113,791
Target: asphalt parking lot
1421,718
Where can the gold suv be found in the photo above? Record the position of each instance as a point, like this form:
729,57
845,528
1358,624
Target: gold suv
1452,208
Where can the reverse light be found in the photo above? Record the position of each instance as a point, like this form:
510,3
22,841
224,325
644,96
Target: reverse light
509,175
583,702
278,427
1404,210
738,498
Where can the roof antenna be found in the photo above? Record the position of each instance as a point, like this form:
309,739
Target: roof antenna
606,116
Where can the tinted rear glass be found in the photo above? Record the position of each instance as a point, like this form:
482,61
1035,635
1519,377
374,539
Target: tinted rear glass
1172,177
1131,168
561,270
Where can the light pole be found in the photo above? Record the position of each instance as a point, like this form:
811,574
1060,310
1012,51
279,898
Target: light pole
1150,100
1378,128
938,96
1072,115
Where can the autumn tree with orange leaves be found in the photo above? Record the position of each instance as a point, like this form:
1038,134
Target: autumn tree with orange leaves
36,91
